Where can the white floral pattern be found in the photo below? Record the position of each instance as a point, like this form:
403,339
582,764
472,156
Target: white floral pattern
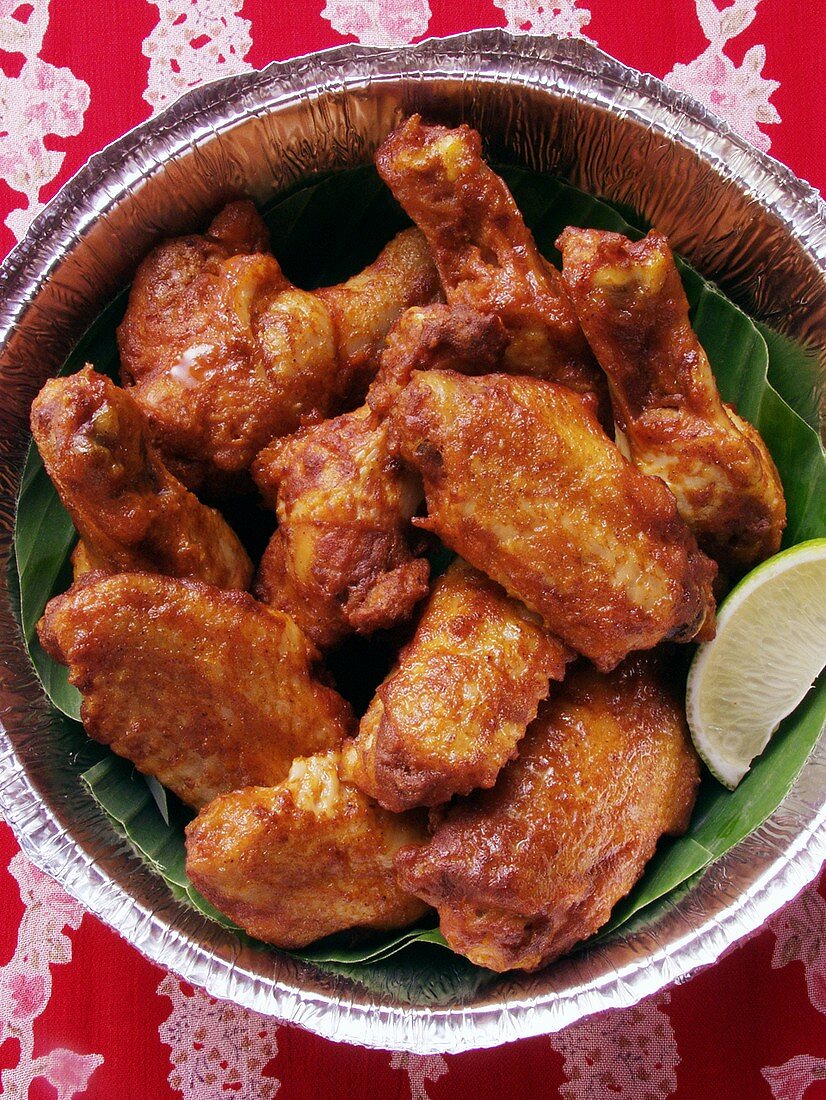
26,986
194,41
563,17
420,1069
217,1048
379,22
792,1080
800,931
739,94
22,31
627,1054
40,101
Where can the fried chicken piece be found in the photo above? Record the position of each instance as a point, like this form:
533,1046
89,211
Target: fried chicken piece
131,513
206,690
437,337
522,482
225,354
523,872
452,711
172,285
486,256
299,861
340,560
632,306
365,308
84,561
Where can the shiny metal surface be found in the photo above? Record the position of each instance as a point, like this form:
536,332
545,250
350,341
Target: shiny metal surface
556,105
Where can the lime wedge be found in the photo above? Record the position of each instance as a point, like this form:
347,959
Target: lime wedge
769,649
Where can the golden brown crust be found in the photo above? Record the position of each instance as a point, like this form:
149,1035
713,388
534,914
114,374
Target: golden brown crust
633,308
206,690
452,711
340,560
486,257
131,513
312,856
84,561
240,229
365,308
523,872
436,337
175,276
523,483
225,355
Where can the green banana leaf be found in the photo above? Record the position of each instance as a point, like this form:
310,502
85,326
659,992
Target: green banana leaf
316,247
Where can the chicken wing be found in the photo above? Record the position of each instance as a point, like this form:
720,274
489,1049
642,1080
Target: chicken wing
487,258
436,337
131,513
632,306
364,309
173,284
340,559
523,483
452,711
225,355
521,873
299,861
206,690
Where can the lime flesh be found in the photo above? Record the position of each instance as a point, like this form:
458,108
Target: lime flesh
769,649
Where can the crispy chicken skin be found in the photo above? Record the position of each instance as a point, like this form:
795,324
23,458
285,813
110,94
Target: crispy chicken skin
523,483
436,337
131,513
225,354
366,307
301,860
487,258
206,690
463,692
632,306
523,872
175,277
84,561
340,560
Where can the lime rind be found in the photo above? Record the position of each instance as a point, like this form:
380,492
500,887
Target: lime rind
769,649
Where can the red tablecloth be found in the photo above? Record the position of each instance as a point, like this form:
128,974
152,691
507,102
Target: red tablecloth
81,1013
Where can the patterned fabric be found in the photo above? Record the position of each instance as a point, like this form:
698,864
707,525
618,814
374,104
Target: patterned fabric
36,101
26,985
193,43
739,94
81,1013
